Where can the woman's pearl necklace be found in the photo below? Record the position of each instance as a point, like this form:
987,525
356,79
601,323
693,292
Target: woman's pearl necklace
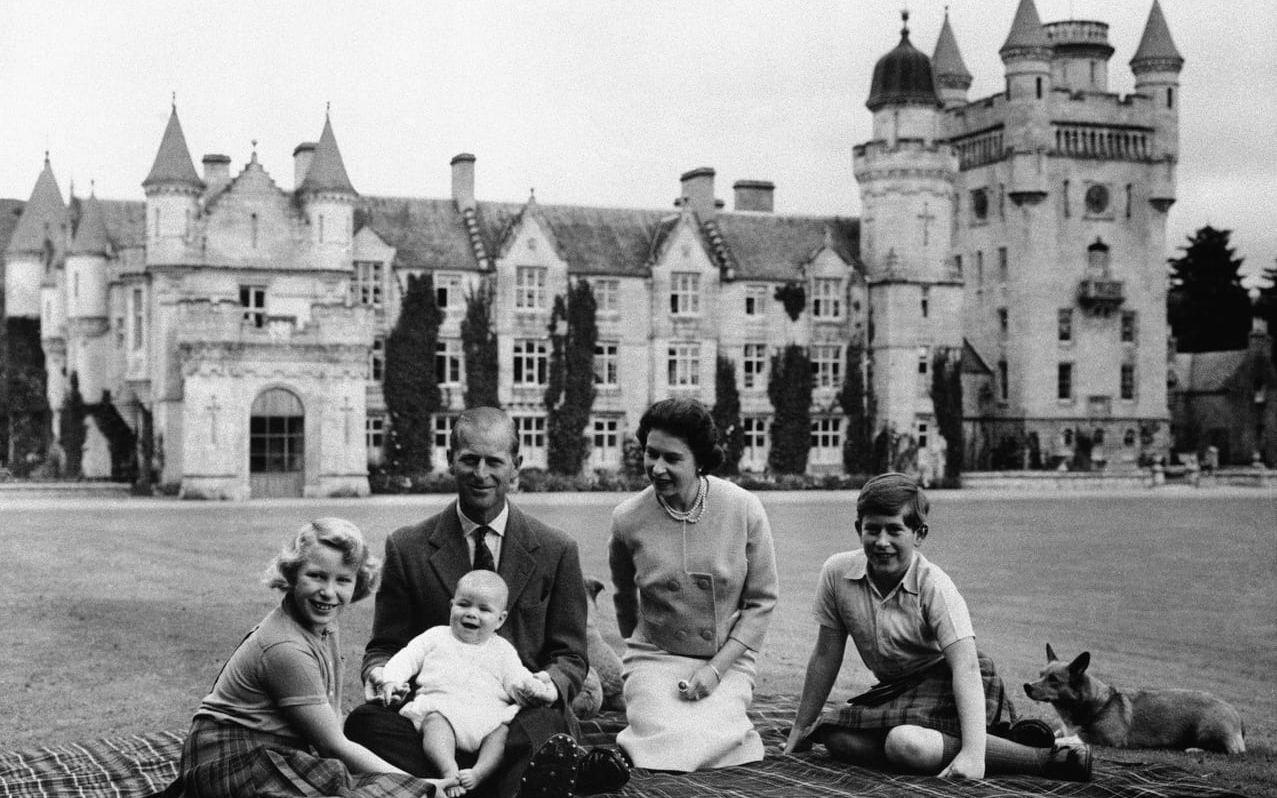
692,514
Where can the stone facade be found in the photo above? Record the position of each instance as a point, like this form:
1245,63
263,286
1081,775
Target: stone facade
245,322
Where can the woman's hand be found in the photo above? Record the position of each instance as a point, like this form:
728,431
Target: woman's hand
800,738
966,765
703,682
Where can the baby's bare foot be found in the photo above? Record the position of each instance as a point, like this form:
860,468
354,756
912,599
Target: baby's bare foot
467,778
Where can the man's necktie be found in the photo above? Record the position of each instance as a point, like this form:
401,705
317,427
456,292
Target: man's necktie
482,554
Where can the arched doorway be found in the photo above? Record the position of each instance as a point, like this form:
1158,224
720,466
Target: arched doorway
276,445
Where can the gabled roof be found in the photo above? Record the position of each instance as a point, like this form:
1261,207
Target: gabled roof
426,233
771,247
327,171
1156,43
42,218
173,163
1026,32
90,234
946,61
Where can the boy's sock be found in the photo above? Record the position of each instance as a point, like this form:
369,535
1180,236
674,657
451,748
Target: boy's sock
1004,756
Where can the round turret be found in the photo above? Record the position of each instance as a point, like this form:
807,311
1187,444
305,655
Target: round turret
903,76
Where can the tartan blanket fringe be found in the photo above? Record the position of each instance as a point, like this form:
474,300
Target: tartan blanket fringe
137,765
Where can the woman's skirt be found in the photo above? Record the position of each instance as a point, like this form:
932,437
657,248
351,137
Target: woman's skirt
926,701
668,732
226,760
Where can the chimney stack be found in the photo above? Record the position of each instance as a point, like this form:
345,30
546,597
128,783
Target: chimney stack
302,156
217,171
698,191
463,180
754,195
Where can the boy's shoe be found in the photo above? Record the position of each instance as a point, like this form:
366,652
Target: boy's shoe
603,770
1070,762
1033,733
552,770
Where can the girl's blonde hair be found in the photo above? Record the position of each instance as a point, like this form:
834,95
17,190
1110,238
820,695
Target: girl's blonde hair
336,533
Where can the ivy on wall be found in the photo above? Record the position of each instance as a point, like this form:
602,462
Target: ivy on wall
24,406
793,296
569,397
410,383
726,414
479,340
946,398
790,390
71,425
857,447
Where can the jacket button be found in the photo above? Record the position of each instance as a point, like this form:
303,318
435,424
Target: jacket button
672,584
706,634
681,634
702,583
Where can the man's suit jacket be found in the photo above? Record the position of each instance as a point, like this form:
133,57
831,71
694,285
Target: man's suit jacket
541,566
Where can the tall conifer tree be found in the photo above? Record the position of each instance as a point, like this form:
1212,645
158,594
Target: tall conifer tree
569,398
411,385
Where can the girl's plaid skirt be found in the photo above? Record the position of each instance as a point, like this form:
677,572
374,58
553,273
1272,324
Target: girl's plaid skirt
929,703
226,760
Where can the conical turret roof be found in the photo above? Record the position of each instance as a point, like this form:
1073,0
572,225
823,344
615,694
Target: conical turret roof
44,212
1156,43
327,171
173,163
902,76
946,62
90,235
1026,32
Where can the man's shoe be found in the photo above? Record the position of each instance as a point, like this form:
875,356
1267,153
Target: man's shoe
1069,763
1033,733
602,770
552,770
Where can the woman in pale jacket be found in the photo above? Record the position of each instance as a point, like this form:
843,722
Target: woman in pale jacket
695,576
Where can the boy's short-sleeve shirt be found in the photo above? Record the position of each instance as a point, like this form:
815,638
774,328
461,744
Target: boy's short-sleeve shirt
280,664
902,632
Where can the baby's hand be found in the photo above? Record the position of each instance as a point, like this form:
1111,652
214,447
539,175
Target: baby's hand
393,691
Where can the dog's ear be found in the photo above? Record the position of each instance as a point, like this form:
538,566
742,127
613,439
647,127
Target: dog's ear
1050,653
1078,666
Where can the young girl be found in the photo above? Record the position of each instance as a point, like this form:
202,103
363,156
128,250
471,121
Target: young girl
277,701
468,682
937,697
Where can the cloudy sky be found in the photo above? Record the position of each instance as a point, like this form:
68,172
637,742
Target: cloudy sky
586,101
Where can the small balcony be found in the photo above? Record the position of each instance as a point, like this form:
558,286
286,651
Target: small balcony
1100,297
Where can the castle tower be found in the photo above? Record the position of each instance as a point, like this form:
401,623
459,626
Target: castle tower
951,75
37,244
1156,65
1081,55
328,200
906,176
1026,55
172,198
85,290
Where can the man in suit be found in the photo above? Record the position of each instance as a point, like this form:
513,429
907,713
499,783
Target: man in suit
547,605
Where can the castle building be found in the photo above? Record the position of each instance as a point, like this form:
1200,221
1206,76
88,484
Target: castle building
240,325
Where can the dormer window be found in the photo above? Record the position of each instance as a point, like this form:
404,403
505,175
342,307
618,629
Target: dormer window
366,283
529,288
685,293
826,300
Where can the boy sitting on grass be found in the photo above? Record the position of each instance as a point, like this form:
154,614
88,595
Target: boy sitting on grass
937,696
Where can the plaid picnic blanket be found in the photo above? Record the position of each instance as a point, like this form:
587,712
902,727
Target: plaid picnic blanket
137,765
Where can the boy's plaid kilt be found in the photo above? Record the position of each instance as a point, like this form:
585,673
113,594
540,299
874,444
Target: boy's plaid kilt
226,760
929,702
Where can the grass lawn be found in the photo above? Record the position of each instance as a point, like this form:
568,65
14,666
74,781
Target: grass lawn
119,614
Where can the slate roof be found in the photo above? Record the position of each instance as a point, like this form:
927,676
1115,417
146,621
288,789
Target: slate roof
1026,31
1156,43
90,232
10,211
946,61
45,206
124,220
173,163
902,76
327,171
430,233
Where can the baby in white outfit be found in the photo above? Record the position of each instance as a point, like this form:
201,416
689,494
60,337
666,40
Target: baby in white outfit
467,682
